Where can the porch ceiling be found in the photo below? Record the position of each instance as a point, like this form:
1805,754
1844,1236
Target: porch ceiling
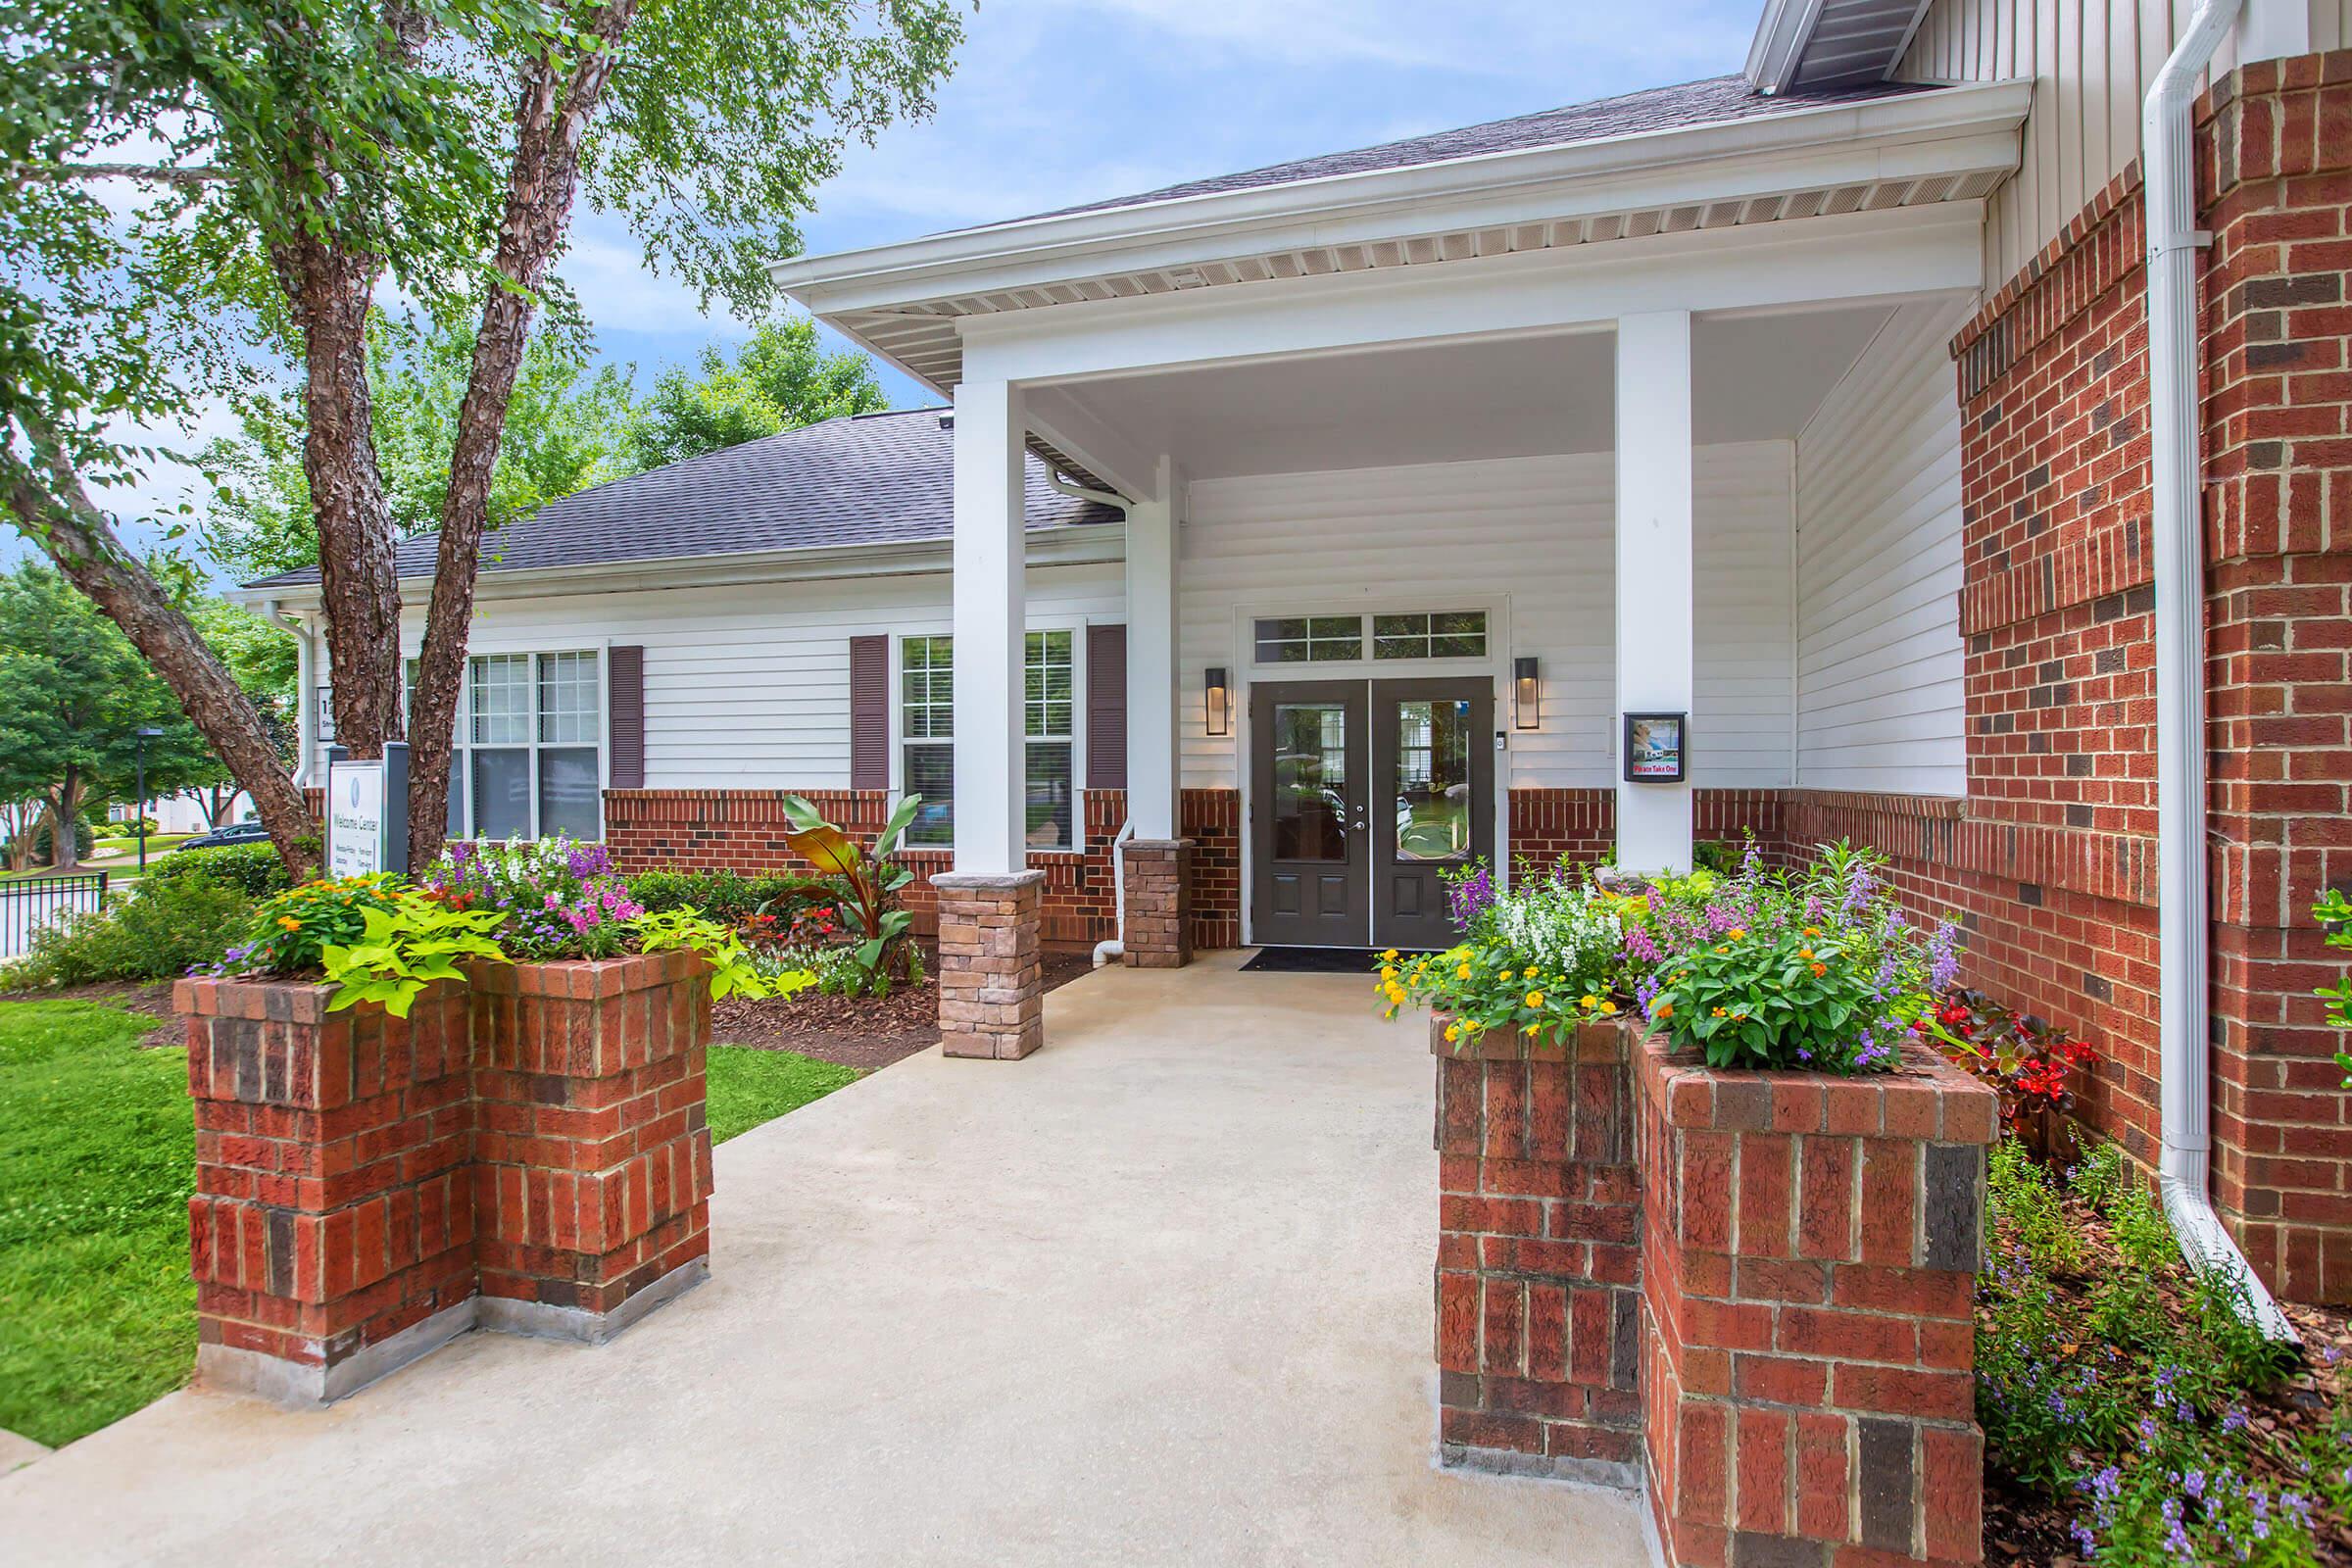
1756,378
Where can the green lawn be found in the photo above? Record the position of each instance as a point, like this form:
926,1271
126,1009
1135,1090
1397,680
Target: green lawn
97,1158
749,1087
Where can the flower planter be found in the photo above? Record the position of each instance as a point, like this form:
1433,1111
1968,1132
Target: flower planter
331,1232
592,1167
1796,1369
526,1152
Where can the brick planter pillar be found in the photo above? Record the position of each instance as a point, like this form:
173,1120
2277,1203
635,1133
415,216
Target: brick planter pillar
592,1176
1538,1267
1809,1253
331,1232
992,998
1159,903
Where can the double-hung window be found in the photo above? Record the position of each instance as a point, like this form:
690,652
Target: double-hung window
927,737
528,759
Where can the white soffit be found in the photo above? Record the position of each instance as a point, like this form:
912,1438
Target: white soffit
903,302
1823,43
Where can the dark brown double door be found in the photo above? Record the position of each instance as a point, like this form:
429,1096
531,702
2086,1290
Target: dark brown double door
1362,794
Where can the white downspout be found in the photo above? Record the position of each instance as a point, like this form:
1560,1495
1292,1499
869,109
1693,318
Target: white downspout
2175,427
1117,947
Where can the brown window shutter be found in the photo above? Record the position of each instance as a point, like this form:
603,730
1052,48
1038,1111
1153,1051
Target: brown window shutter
625,670
1105,707
869,713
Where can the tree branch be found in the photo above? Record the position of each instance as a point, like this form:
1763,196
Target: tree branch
155,173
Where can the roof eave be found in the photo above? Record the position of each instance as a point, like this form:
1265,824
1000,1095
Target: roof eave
879,278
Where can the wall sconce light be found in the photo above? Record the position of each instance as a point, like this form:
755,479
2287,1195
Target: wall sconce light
1527,712
1220,701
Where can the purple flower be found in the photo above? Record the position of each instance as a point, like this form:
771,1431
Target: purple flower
1943,960
1464,898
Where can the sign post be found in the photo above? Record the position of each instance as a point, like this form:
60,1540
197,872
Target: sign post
367,813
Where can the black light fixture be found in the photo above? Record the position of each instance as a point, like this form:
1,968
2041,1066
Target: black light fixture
1527,709
1220,701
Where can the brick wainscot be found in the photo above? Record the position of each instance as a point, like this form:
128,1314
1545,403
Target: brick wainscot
1749,1293
527,1152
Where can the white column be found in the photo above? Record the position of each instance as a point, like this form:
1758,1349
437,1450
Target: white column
1653,574
1151,660
991,788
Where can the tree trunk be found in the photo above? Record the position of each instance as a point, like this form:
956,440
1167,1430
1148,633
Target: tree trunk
65,810
61,516
551,119
330,289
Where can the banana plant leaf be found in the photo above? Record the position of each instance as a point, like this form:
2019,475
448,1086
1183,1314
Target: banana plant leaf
827,848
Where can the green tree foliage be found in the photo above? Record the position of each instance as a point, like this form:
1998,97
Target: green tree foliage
564,433
74,695
780,381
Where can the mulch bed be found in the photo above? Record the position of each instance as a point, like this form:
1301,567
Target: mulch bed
862,1032
150,996
2024,1526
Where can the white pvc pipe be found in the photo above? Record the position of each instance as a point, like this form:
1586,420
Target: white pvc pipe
1117,947
2185,1165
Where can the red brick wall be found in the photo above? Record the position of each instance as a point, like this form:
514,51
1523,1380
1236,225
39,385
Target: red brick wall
1212,820
1581,825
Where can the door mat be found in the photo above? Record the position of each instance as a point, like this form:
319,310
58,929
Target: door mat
1313,960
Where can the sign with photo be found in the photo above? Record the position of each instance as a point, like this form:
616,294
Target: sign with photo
1655,750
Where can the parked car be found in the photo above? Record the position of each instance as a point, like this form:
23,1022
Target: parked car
234,833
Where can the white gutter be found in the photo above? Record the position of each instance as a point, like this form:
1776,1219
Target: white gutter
2185,1169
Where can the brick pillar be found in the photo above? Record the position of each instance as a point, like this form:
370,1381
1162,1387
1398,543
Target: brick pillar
1809,1255
331,1231
992,995
1538,1267
1159,903
592,1167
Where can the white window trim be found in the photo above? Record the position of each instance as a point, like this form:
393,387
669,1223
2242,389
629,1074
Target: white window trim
1076,627
461,743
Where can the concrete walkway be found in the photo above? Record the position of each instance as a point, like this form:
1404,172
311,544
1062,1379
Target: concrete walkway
1159,1294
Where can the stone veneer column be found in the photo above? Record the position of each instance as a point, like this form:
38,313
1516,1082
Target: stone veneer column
1159,903
990,983
592,1173
1810,1256
331,1232
1538,1254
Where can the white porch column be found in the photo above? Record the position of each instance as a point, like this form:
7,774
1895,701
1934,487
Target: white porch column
1151,660
1653,572
991,789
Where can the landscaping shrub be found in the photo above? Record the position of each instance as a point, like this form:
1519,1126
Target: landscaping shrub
2028,1061
561,900
159,932
726,896
253,867
2132,1392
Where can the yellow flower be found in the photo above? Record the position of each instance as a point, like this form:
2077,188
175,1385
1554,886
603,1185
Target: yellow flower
1396,994
1718,1012
1722,948
1453,1032
1390,955
1531,1030
1535,998
1608,1008
1804,952
1590,1000
1737,932
1388,971
1463,973
1812,930
289,923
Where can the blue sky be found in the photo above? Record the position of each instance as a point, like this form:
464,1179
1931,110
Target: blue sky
1055,102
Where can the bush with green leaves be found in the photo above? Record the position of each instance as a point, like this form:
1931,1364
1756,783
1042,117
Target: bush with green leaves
862,880
289,935
2334,914
725,895
1540,956
156,931
253,867
403,949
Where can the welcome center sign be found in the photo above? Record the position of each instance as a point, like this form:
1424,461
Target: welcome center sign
367,813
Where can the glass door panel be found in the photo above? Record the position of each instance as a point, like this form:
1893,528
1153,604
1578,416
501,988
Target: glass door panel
1432,780
1310,781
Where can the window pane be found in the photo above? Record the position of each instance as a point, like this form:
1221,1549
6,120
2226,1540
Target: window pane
567,793
1447,634
502,700
456,796
568,706
1310,781
1433,780
931,773
927,687
1336,637
1302,639
502,793
1047,684
1049,795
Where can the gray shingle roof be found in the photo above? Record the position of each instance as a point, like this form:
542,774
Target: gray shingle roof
1690,102
881,478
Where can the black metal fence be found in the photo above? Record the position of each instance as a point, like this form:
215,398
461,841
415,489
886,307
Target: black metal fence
29,904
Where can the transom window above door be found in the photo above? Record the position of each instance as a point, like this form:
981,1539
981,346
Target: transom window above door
1342,639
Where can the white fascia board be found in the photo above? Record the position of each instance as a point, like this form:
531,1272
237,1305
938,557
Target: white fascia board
1972,122
1906,252
1076,545
1782,33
